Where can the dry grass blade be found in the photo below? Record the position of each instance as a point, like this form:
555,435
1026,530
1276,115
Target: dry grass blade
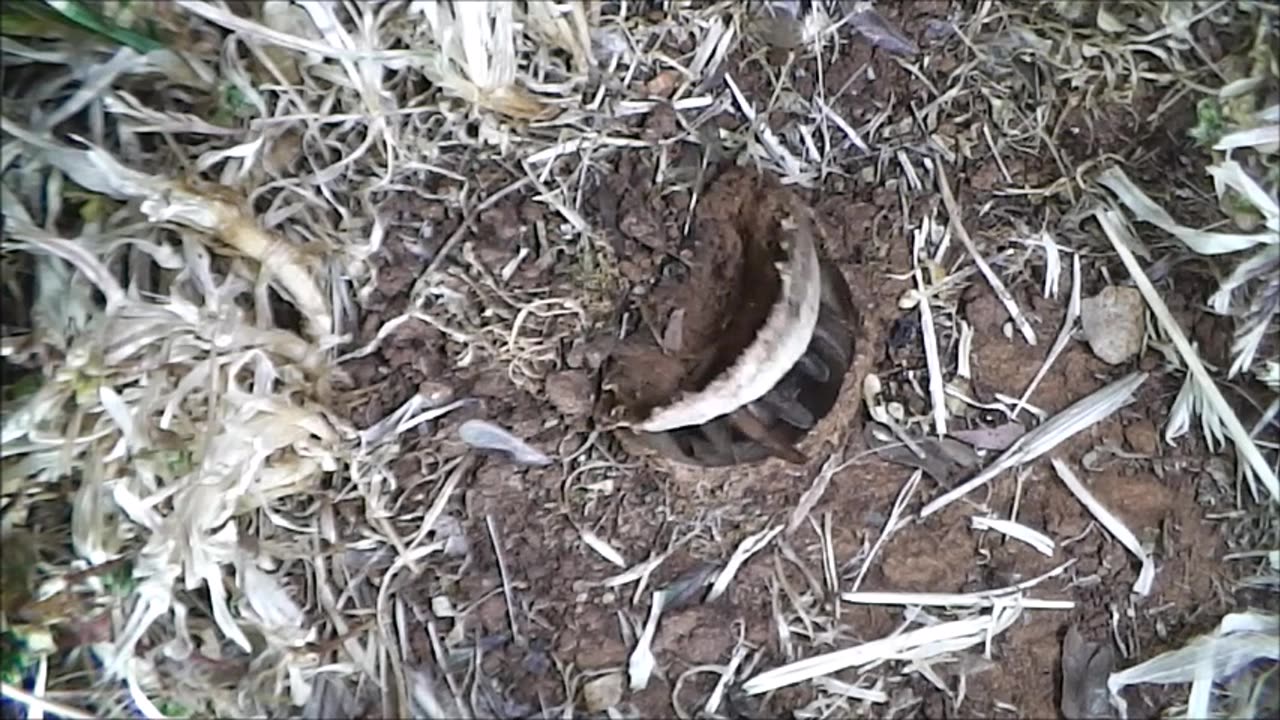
890,526
749,546
1202,242
985,598
922,642
1036,539
602,547
954,600
37,704
955,218
259,31
1080,415
1239,639
1059,343
937,382
500,553
641,664
1146,576
1245,445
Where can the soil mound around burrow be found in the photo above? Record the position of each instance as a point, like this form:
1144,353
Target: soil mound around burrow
701,319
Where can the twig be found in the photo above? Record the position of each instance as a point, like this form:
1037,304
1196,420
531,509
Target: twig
904,496
953,215
506,581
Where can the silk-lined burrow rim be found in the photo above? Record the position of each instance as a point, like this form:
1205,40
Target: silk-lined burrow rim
792,408
769,334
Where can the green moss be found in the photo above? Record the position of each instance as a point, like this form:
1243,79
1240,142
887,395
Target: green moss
232,105
1210,125
120,580
22,388
71,19
173,709
16,659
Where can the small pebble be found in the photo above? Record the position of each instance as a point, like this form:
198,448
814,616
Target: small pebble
1142,437
1114,323
603,692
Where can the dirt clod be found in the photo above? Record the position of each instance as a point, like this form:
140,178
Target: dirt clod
570,392
603,692
1114,323
1142,436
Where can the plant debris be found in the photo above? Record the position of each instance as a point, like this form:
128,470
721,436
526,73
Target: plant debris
312,315
1085,669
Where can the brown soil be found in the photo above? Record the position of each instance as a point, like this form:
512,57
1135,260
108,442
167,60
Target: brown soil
562,614
722,299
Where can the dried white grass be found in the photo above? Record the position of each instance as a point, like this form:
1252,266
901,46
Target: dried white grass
1201,241
792,171
1239,639
749,546
844,126
853,692
416,410
229,476
918,644
1059,343
197,361
500,553
1189,404
953,600
984,598
637,572
1080,415
937,382
1262,138
602,547
712,706
810,498
1113,524
262,32
35,704
1042,543
641,663
955,219
1260,470
964,353
166,200
891,525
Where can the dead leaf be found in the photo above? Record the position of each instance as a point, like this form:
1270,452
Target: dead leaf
880,33
943,459
999,437
1085,667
